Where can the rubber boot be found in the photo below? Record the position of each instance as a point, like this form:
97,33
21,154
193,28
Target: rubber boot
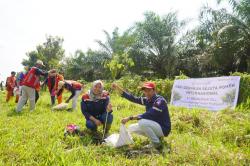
106,133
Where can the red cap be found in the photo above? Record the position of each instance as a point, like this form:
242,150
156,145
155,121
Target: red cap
148,85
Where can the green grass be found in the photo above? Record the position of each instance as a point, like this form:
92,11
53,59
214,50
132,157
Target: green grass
198,137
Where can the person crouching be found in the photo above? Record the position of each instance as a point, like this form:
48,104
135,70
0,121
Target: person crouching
96,108
155,122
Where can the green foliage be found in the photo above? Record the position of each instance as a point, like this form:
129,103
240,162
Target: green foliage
89,66
164,87
119,64
225,37
188,49
244,106
133,84
153,48
181,76
129,83
244,94
50,52
156,37
116,48
116,43
198,137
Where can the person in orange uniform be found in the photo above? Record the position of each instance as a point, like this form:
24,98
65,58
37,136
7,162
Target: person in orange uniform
52,83
10,85
60,78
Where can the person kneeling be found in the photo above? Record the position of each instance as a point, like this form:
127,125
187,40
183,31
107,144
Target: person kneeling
96,108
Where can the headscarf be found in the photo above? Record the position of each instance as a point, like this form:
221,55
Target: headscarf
98,96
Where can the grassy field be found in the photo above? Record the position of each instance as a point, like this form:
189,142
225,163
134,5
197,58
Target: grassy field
198,137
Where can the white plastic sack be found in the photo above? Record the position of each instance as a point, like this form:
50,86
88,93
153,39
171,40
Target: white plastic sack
61,106
117,140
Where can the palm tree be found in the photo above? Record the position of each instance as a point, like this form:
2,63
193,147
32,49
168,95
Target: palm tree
157,40
116,43
229,37
116,48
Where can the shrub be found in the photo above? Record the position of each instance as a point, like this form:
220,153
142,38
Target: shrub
244,93
164,86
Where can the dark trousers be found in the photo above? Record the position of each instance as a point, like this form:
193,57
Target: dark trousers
92,126
53,100
37,96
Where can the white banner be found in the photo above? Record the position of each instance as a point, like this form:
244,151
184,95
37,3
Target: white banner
214,93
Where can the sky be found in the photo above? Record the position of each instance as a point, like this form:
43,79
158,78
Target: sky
24,24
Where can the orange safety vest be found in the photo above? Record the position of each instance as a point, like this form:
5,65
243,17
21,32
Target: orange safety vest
76,85
32,80
58,78
11,82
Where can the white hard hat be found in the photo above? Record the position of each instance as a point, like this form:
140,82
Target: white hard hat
39,62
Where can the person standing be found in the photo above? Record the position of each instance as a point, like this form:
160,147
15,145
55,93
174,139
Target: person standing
60,78
10,85
20,80
30,84
52,83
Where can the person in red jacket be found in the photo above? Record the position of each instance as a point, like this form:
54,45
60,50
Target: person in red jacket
31,83
10,85
74,87
52,83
